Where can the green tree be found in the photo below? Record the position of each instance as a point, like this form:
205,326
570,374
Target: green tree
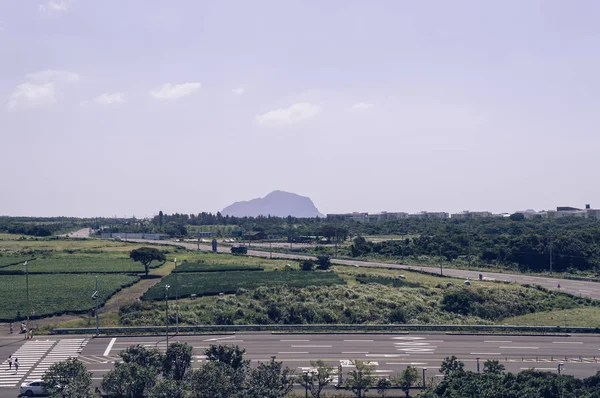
360,379
383,385
407,379
216,379
177,360
493,366
269,380
232,356
146,255
307,265
129,380
317,379
68,379
145,357
323,262
168,388
451,365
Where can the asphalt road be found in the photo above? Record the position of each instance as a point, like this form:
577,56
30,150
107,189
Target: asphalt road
389,353
578,288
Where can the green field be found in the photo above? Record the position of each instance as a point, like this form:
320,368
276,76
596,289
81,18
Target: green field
203,284
56,294
61,262
7,260
200,267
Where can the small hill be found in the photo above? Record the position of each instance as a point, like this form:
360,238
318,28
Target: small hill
277,203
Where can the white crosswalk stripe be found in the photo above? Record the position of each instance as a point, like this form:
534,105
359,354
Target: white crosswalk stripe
28,355
63,350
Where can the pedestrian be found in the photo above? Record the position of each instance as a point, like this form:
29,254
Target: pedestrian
16,365
9,362
31,334
11,328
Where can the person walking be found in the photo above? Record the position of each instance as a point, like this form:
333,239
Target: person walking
10,362
11,328
16,365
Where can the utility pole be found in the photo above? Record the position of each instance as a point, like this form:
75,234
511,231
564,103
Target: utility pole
27,291
441,268
270,250
167,313
96,294
176,298
550,253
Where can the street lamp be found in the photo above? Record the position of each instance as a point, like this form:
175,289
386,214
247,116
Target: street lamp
176,298
424,370
167,313
27,291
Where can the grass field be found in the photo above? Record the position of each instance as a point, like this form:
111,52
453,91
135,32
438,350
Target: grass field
201,267
65,263
56,294
582,317
9,259
203,284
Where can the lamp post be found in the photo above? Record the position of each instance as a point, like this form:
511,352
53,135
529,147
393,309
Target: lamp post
306,383
176,298
96,312
27,291
424,370
167,312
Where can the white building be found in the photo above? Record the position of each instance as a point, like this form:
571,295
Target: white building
472,214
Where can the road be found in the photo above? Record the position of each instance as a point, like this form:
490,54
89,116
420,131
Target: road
578,288
389,353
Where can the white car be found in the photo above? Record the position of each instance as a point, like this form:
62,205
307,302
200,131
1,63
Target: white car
33,388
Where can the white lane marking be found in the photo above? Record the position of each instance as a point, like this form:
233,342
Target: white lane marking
408,338
406,363
567,342
292,341
359,341
293,352
497,341
221,338
110,345
383,371
520,348
387,355
311,346
486,353
355,352
539,368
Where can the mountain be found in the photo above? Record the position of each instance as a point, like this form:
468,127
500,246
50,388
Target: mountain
277,203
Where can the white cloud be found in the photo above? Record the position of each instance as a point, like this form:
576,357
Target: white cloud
54,75
54,6
295,113
110,98
238,91
169,91
361,106
30,95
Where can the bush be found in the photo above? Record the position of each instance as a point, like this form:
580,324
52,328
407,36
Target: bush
307,265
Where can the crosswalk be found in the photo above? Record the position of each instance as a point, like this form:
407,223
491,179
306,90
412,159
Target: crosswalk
35,357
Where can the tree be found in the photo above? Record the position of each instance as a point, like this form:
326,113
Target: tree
145,357
383,385
493,366
232,356
215,379
269,380
68,379
161,219
360,379
307,265
168,388
451,365
407,379
517,217
129,380
316,379
324,262
177,360
146,255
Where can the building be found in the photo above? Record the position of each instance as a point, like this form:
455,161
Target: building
567,211
356,216
384,215
428,215
472,214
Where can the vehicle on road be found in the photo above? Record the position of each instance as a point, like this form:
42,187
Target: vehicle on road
33,388
239,250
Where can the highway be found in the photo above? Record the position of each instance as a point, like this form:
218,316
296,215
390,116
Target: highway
389,353
578,288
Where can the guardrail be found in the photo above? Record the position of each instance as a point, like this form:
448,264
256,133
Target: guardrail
329,328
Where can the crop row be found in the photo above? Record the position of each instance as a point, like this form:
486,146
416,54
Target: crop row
387,281
204,284
55,294
8,260
99,263
200,267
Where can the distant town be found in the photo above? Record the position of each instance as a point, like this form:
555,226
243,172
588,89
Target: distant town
562,211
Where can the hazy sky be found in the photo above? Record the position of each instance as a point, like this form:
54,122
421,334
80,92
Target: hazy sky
121,107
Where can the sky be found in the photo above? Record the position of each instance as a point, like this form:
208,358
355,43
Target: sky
128,107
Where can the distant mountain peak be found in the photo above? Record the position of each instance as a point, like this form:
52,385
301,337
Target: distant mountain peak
277,203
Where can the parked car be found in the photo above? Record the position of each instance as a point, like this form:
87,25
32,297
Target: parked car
32,388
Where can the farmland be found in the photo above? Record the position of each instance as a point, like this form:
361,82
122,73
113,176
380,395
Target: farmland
77,263
56,294
204,284
201,267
